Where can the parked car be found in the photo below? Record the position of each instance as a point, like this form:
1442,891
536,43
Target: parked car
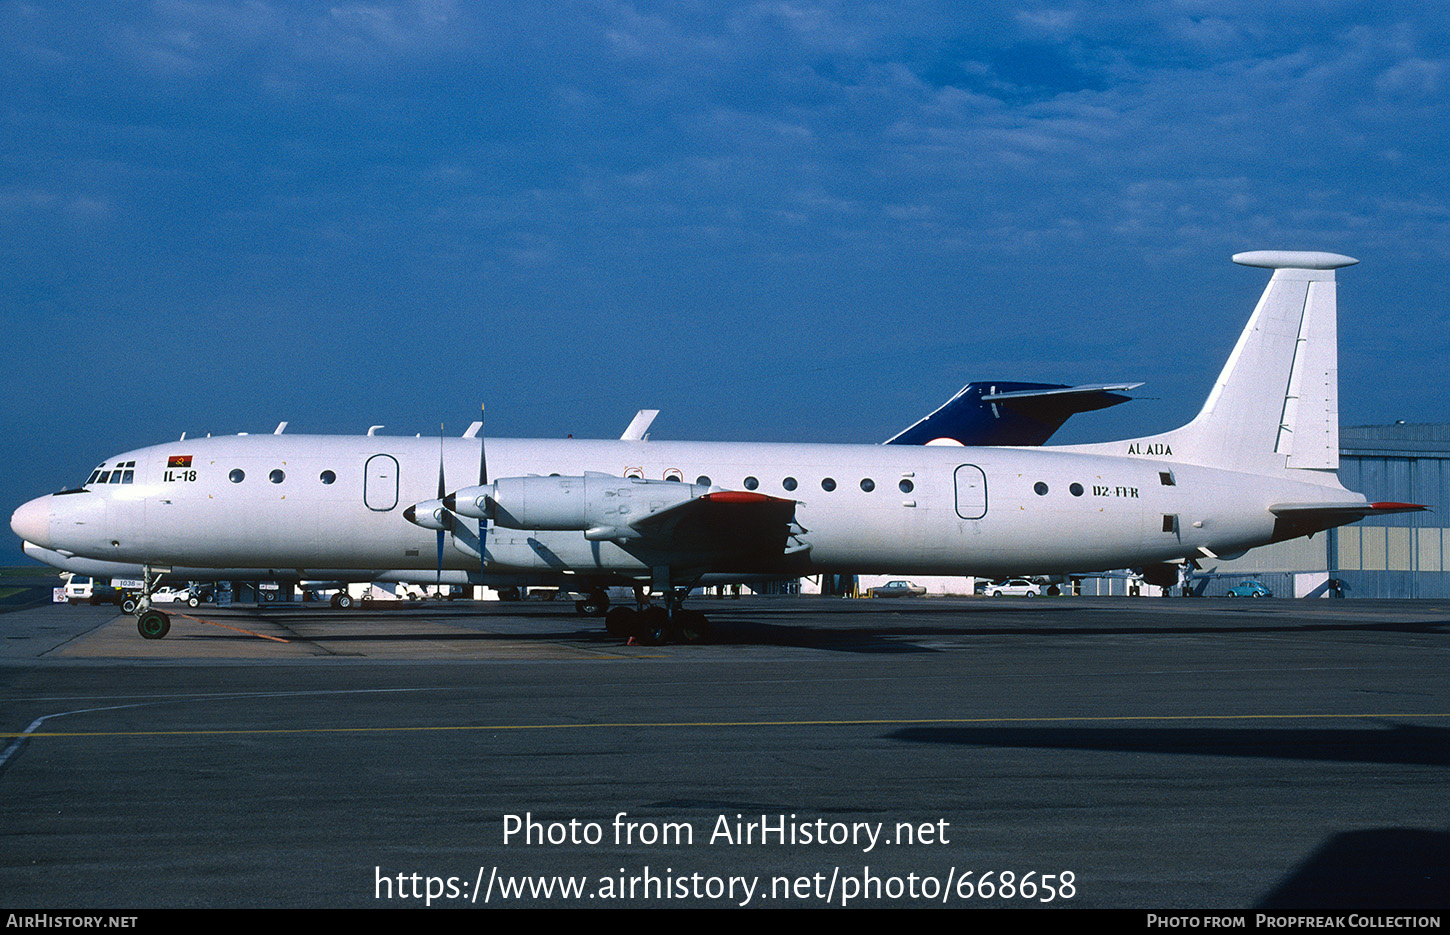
1014,587
78,588
897,589
191,596
1249,589
122,597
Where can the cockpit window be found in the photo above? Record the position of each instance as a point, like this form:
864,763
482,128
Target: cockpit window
123,473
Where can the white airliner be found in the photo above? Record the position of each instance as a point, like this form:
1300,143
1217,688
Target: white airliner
1257,465
990,412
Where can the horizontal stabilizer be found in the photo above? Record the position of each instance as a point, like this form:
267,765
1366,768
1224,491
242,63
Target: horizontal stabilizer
1087,389
1384,507
1292,520
1356,509
992,413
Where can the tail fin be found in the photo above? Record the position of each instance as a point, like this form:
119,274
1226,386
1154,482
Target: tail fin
1275,406
995,413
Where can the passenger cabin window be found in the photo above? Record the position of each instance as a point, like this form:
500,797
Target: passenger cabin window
327,477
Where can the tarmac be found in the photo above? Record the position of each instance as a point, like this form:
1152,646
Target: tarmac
1164,755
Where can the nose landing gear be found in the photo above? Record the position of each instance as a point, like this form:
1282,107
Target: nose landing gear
151,623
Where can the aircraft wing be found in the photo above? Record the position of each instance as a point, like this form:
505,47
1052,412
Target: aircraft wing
730,525
994,413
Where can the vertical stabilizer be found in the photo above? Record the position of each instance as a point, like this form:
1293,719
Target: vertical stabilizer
1279,392
1275,406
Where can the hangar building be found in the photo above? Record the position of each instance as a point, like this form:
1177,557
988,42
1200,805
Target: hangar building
1401,555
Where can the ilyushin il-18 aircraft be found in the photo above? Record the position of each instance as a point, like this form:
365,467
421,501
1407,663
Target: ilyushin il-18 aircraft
1257,465
980,413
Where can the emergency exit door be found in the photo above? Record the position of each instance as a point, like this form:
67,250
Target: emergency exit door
971,492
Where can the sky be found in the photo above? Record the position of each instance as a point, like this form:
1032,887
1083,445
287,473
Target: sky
779,221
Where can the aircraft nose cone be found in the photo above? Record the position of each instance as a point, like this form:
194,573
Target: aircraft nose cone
31,521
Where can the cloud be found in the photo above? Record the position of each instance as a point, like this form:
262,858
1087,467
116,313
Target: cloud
642,177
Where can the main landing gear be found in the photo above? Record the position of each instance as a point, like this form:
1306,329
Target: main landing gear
651,624
655,624
595,605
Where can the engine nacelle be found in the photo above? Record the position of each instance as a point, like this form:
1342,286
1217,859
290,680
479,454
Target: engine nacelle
591,502
430,514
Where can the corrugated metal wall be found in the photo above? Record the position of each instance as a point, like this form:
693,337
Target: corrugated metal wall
1407,554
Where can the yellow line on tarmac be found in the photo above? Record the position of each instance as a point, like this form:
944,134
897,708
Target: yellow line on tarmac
849,722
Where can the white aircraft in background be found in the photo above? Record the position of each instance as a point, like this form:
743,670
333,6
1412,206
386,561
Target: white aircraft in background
1256,466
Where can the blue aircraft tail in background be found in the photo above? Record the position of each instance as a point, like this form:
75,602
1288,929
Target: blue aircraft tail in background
993,413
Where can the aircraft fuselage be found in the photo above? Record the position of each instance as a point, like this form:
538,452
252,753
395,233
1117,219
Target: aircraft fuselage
314,504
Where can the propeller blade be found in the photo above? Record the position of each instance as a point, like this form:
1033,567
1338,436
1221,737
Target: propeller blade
442,487
482,481
447,516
